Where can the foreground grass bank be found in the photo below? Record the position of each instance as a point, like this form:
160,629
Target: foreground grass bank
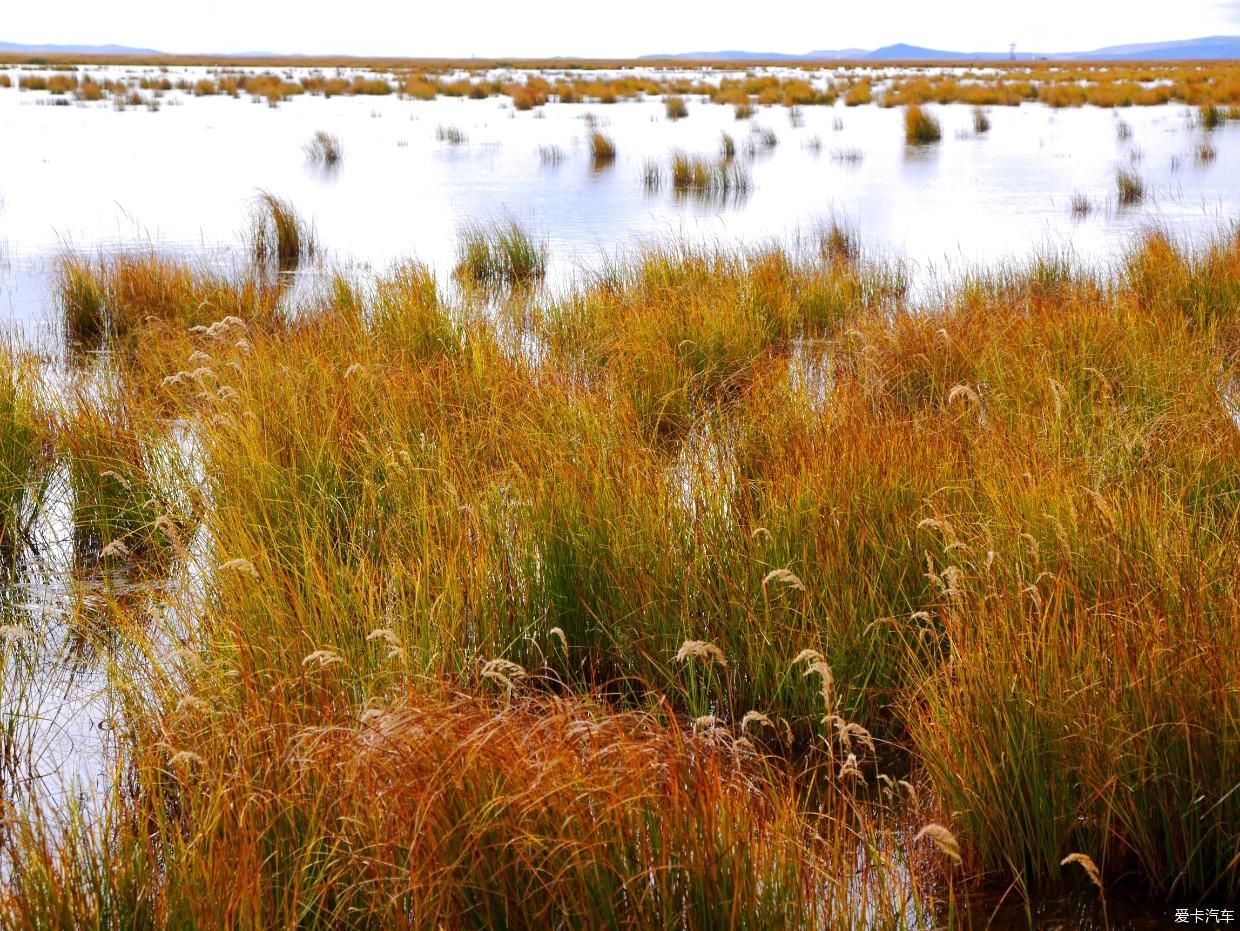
727,590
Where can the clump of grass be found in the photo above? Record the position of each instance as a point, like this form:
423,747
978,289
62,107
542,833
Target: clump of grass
1123,130
277,234
761,139
652,175
675,108
602,148
554,811
500,255
550,154
848,156
527,96
90,91
981,121
1211,117
82,302
121,506
744,110
706,177
920,127
324,149
1205,152
727,147
838,242
452,135
1081,205
60,84
1129,187
859,94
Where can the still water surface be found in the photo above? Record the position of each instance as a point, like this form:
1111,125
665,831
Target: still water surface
91,178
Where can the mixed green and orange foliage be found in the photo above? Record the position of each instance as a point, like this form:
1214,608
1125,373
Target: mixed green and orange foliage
630,605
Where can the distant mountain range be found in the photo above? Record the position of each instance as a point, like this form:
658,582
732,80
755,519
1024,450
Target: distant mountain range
1210,47
16,48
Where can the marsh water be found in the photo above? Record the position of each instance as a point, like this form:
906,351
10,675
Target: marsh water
91,178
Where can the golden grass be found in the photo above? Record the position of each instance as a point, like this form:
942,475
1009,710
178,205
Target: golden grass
627,605
278,236
500,255
602,148
920,127
1129,187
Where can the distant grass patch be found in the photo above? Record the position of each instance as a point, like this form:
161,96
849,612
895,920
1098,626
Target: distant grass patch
452,135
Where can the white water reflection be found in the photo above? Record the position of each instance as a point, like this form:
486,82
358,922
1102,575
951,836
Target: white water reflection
90,177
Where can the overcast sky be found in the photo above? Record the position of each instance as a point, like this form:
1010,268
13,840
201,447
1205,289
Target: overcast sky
489,28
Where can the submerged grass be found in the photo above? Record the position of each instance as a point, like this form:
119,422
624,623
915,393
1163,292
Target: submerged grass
324,149
500,255
1129,187
708,177
627,605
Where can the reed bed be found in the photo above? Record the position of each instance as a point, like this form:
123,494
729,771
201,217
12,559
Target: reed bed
1212,88
632,604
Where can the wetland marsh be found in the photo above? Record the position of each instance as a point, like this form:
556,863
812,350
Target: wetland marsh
488,510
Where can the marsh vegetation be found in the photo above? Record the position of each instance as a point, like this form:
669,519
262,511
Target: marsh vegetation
757,594
699,584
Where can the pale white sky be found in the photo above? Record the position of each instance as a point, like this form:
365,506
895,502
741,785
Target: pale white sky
489,28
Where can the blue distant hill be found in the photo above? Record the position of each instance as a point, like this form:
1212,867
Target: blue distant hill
15,48
1207,48
1203,49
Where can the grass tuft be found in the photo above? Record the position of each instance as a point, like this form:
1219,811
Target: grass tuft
277,234
675,107
920,127
602,148
500,255
324,149
1129,187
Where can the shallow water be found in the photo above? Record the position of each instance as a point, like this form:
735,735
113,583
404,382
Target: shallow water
89,177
